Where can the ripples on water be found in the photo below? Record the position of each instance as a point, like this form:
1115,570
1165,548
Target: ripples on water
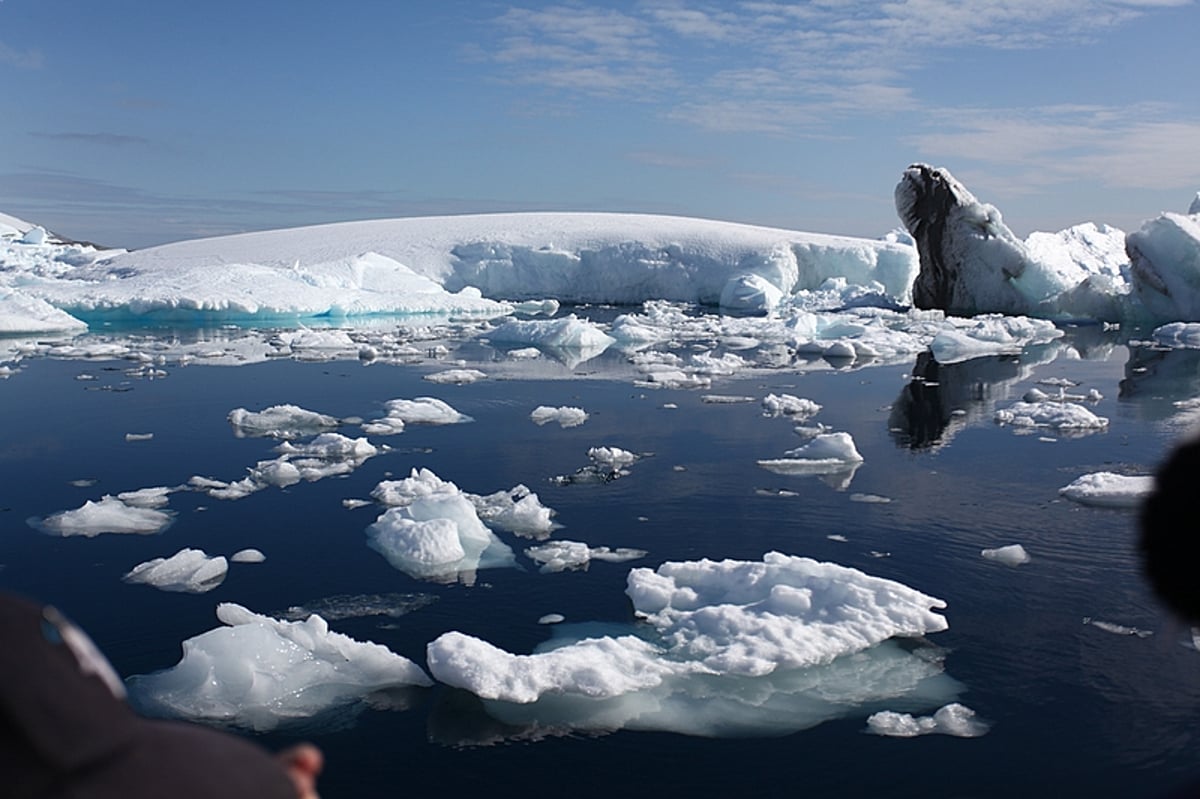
1075,707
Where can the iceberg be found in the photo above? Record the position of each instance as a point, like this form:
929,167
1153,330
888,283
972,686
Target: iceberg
953,719
1109,490
422,410
280,421
109,515
972,263
260,673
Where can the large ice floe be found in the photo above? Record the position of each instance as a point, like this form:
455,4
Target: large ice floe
724,648
258,672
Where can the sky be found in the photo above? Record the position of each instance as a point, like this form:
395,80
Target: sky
135,123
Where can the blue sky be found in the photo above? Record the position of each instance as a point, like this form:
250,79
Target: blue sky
134,123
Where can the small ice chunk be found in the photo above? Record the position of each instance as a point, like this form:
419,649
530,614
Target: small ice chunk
1011,555
826,453
552,618
422,410
1109,490
1061,416
258,672
789,405
870,499
613,457
953,719
518,510
156,497
138,436
566,416
247,556
280,421
557,556
724,399
189,571
1117,629
457,376
109,515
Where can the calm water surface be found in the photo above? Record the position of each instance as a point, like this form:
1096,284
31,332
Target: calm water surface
1074,708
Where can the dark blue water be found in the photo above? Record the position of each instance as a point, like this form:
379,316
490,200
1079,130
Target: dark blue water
1073,708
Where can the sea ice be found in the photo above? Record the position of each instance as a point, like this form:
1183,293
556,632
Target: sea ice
798,408
189,571
517,510
280,421
457,376
247,556
1065,417
1011,555
826,453
258,672
557,556
565,416
422,410
108,515
732,648
953,719
1109,490
433,531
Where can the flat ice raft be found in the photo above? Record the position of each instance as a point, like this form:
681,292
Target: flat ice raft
733,647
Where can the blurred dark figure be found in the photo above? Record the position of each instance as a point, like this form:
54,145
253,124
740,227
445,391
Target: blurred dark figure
66,731
1170,533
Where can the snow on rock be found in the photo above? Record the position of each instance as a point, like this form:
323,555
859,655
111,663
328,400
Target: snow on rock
727,648
1011,555
1109,490
953,719
280,421
259,673
422,410
188,570
434,532
108,515
565,416
1065,417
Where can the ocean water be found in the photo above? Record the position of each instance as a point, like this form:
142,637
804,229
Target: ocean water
1101,709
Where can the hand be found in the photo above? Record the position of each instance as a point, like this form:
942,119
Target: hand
303,763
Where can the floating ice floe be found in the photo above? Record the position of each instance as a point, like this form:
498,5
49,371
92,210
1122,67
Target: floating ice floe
249,555
259,673
1064,417
565,416
557,556
456,376
433,531
326,455
189,571
1010,555
517,510
1109,490
108,515
728,648
1117,629
280,421
789,405
569,339
422,410
953,719
826,453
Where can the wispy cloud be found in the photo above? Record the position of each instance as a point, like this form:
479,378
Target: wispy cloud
101,139
1135,147
21,59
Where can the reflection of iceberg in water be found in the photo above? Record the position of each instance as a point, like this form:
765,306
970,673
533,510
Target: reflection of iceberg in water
1157,379
944,398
